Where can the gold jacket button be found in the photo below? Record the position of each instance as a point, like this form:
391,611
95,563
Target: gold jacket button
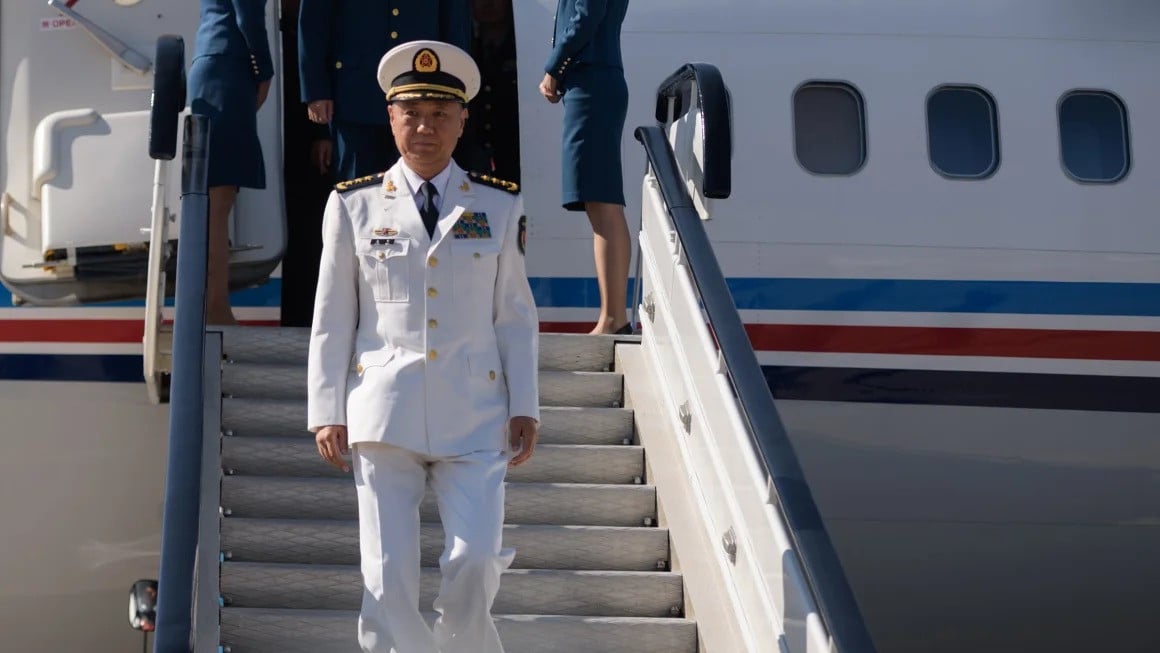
433,261
431,292
394,35
432,355
358,368
382,256
491,375
337,65
432,323
395,11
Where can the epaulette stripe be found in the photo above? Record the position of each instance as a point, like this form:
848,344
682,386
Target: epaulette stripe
495,182
361,182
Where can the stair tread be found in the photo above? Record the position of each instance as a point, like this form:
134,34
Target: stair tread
558,424
526,503
531,591
537,546
275,456
288,381
257,630
290,345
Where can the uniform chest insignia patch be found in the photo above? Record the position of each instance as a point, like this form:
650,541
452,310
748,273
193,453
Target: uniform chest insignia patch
385,231
390,186
472,225
523,234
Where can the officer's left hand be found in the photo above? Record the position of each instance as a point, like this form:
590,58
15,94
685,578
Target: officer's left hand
321,154
550,88
524,434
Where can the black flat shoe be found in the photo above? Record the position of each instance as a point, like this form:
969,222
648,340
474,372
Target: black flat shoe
625,330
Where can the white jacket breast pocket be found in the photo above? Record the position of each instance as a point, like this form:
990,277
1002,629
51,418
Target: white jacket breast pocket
386,267
476,261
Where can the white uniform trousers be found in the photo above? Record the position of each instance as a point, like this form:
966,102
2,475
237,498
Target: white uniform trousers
390,483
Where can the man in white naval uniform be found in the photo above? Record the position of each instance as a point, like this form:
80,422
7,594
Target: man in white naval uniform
423,359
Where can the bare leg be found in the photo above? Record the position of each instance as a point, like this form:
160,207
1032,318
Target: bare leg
217,299
612,249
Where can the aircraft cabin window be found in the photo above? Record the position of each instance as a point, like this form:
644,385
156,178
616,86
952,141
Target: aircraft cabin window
1093,137
829,128
962,132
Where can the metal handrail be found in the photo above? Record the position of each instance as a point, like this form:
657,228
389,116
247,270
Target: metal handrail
675,99
811,543
186,420
155,284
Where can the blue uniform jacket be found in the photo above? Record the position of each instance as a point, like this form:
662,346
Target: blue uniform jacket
236,28
340,43
587,32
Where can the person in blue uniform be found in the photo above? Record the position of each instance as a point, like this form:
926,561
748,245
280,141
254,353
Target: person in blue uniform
229,80
586,70
340,43
495,110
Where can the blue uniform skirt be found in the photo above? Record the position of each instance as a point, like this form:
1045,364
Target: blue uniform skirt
595,106
223,89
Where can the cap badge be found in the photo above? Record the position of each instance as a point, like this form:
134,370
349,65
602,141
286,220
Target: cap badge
426,61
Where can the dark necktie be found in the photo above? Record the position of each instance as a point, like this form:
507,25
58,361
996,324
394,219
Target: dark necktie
429,213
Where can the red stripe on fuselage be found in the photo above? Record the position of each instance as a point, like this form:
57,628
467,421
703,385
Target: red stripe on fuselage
83,331
822,338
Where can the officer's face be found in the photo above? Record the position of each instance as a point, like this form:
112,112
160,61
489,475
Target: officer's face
426,131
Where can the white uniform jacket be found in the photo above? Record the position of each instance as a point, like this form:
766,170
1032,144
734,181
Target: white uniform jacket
429,344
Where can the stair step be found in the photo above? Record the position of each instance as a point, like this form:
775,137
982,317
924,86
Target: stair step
550,464
288,381
558,424
522,591
265,344
256,630
289,345
527,503
304,541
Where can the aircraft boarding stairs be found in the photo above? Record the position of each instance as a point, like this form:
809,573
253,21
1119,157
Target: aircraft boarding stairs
592,566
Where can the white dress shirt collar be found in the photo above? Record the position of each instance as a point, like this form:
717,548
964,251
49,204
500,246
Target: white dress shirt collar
415,182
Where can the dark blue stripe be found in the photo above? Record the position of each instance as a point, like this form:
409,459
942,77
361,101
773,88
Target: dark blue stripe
900,295
105,368
931,296
957,388
569,292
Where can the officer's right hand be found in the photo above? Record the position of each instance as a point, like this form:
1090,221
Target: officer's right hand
550,88
331,441
321,111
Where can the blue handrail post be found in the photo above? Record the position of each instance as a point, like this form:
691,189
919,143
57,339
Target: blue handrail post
183,474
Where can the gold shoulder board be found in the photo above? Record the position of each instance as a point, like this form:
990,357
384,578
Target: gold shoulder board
502,184
361,182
